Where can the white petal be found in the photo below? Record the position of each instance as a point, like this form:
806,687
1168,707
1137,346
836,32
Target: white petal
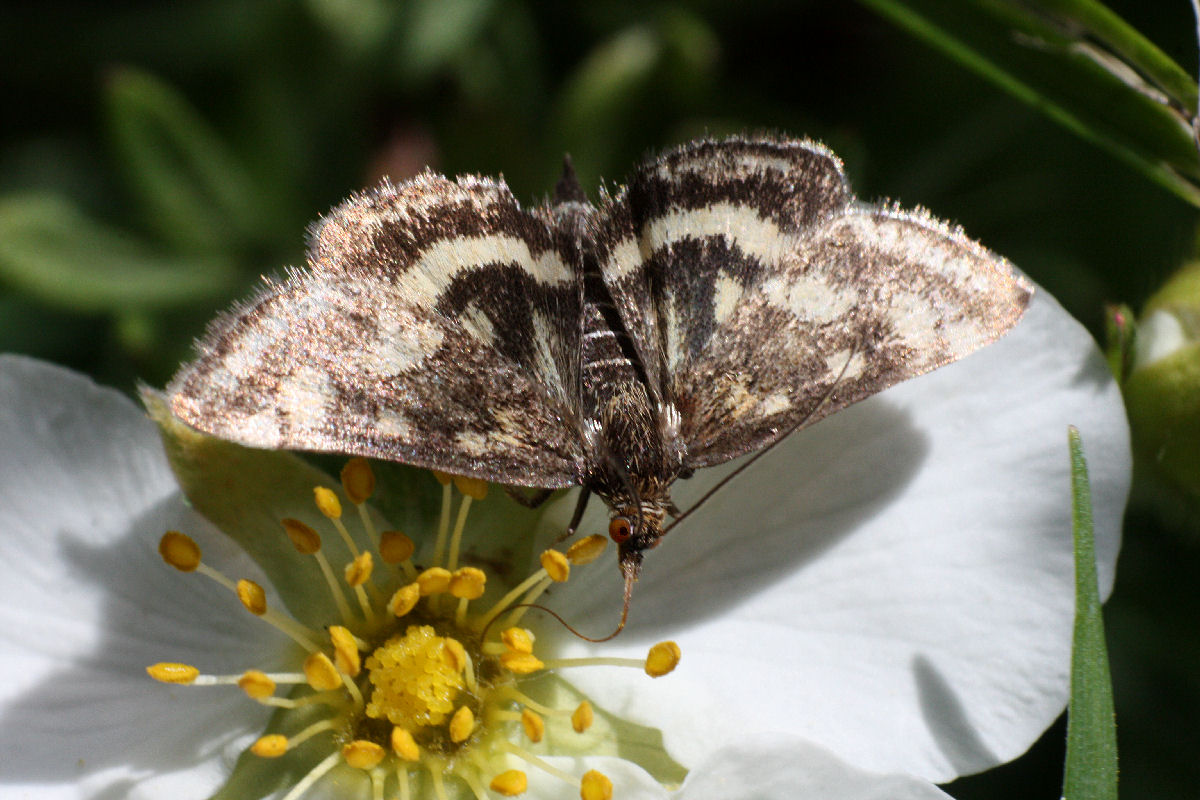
86,603
895,583
770,769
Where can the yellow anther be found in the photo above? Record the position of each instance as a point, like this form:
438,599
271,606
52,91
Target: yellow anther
468,583
556,565
461,725
252,596
345,650
178,550
273,745
583,717
405,599
358,481
359,570
662,658
587,549
434,580
320,672
471,487
534,725
519,640
304,539
256,684
404,745
454,654
520,663
509,783
169,672
395,547
327,502
362,754
443,478
595,786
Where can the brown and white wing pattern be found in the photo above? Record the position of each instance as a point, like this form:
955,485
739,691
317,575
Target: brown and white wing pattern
437,324
759,293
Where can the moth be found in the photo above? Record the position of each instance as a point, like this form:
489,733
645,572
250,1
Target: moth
730,293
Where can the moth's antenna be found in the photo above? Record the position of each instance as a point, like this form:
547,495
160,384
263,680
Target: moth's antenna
768,448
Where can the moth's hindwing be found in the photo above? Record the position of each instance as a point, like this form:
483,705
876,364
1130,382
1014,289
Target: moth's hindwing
437,325
752,282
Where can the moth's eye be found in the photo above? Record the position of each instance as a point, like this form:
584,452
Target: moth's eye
620,530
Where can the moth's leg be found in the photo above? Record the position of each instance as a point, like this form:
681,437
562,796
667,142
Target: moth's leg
580,505
528,500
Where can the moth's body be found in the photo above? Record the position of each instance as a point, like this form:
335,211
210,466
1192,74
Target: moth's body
734,291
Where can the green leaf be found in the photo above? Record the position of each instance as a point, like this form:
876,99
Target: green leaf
1082,66
52,251
194,190
1091,768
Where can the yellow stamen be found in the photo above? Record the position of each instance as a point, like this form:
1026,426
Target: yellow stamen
461,725
358,481
363,754
595,786
252,596
587,550
444,478
662,659
359,570
405,599
320,672
327,502
583,717
454,654
534,725
304,539
520,663
434,580
509,783
468,583
273,745
519,640
404,745
169,672
256,684
471,487
395,547
556,565
345,650
178,550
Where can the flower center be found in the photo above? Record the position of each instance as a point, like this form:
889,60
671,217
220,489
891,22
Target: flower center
413,696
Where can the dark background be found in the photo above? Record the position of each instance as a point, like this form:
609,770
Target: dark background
199,139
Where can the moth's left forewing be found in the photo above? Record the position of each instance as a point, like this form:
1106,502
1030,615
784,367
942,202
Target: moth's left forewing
859,302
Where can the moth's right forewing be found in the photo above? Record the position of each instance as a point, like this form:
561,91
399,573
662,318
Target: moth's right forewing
437,325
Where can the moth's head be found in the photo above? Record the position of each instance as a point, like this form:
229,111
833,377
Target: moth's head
635,531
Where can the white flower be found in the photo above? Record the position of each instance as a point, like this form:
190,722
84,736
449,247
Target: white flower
888,592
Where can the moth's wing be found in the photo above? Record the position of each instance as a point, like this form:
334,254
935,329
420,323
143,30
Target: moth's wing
763,295
437,325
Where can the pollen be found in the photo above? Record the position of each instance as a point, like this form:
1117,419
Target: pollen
273,745
509,783
595,786
359,570
405,599
345,651
434,580
556,565
256,684
320,672
327,502
533,725
587,550
358,481
303,538
462,724
167,672
663,658
363,754
395,547
468,583
404,745
471,487
519,640
414,686
179,551
252,596
583,717
521,663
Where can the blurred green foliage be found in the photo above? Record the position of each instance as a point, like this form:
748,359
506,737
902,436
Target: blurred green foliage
159,157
